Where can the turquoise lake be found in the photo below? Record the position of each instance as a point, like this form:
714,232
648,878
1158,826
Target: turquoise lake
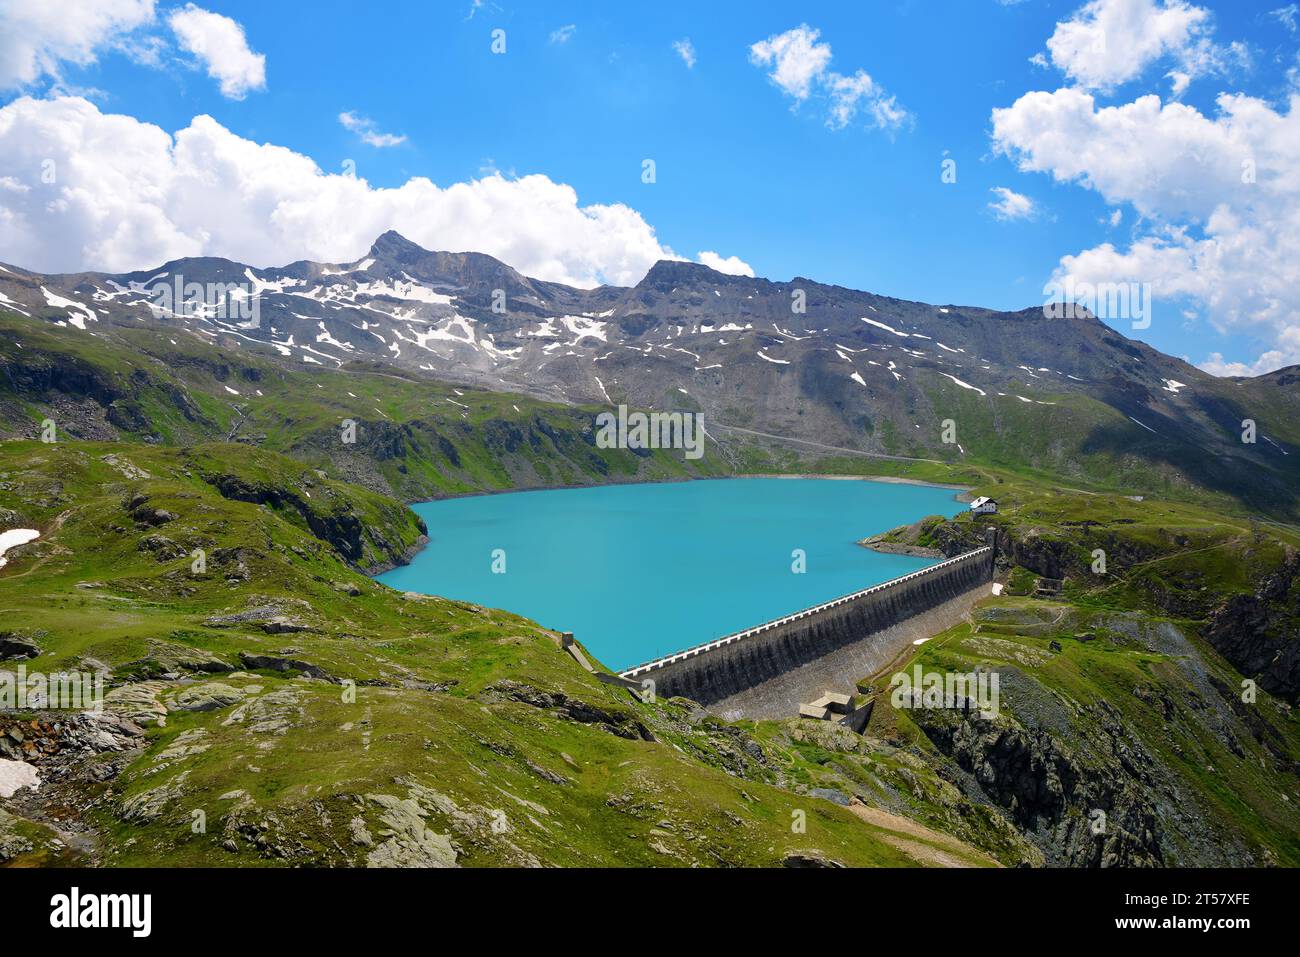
640,571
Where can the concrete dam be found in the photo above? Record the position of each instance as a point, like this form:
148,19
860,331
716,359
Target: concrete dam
769,670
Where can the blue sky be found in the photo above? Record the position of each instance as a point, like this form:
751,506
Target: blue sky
586,91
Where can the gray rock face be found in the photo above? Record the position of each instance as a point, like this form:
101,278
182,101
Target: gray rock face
209,696
408,840
284,625
1257,632
1094,798
152,804
139,702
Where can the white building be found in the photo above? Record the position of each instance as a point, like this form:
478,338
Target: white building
984,506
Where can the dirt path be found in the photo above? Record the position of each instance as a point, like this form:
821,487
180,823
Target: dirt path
919,842
828,448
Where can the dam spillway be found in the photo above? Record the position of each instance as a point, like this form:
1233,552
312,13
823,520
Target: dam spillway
764,671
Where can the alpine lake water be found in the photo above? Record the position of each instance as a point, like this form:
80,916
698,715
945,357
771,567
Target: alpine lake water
641,571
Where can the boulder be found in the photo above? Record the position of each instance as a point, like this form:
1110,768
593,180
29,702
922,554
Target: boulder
274,663
284,625
209,696
138,703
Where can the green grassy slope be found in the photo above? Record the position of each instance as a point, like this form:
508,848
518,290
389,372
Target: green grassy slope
433,732
414,438
1134,691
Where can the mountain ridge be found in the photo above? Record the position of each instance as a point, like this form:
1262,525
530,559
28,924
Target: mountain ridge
1071,396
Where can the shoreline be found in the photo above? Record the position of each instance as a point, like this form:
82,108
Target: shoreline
897,548
963,490
887,479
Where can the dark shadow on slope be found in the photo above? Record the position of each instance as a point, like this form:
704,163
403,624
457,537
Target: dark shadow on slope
1249,482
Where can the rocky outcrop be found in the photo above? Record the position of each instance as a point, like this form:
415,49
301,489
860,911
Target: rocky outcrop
1082,814
16,645
144,513
276,663
616,722
1260,632
61,380
51,735
209,696
339,525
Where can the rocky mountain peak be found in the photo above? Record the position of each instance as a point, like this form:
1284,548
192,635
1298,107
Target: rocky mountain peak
670,273
399,254
392,245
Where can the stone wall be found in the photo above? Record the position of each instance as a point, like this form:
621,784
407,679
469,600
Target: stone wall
729,666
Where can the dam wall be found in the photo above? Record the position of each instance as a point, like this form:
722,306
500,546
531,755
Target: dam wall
729,667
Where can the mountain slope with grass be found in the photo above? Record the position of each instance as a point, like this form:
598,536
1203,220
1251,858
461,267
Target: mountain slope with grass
1146,653
278,707
411,437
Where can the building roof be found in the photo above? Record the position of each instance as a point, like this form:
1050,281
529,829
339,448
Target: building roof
982,500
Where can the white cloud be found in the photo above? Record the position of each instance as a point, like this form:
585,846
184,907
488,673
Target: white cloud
1287,16
36,36
1109,42
563,34
1218,196
849,94
686,50
219,44
731,265
130,196
1012,205
800,66
1268,362
796,58
365,129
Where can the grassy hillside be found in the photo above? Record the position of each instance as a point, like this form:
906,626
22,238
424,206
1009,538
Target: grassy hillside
1139,689
413,438
313,716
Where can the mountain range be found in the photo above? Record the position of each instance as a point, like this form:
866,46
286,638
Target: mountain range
815,367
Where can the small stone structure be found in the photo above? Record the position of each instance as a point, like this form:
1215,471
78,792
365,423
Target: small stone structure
730,666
